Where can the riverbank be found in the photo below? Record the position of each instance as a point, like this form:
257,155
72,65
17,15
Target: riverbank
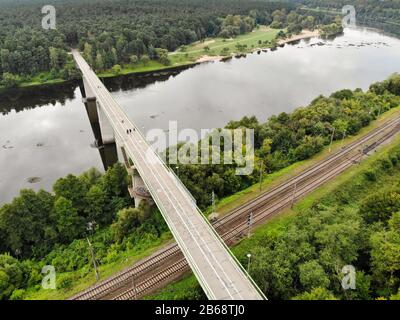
212,49
353,182
304,35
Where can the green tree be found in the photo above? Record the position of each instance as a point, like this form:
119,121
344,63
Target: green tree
24,223
88,53
10,80
99,64
58,58
116,69
380,206
11,275
69,224
91,177
162,55
316,294
126,222
74,189
145,59
96,199
115,181
134,59
313,275
385,255
339,243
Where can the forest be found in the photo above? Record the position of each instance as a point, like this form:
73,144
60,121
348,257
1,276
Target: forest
358,223
287,138
43,228
384,15
117,32
39,228
109,31
301,256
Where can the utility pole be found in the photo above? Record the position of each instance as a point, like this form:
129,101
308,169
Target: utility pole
344,136
249,224
90,227
213,201
248,262
93,259
261,173
330,145
294,194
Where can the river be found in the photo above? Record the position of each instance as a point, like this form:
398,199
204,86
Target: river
45,133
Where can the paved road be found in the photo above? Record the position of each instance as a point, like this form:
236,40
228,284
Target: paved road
217,271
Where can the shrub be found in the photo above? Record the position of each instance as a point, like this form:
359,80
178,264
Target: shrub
18,294
370,175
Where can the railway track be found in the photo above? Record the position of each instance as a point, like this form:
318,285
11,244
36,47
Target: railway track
169,262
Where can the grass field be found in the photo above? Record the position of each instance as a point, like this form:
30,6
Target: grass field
190,54
137,68
43,78
215,46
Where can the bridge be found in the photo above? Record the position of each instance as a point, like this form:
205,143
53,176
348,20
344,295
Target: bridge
219,273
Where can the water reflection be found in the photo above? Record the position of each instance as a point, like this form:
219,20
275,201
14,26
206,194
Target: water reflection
139,81
45,132
20,99
212,94
49,139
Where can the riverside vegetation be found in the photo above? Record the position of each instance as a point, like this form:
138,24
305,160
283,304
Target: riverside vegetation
39,228
384,15
119,37
355,220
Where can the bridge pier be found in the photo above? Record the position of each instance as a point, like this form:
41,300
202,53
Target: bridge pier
111,149
219,274
137,190
104,133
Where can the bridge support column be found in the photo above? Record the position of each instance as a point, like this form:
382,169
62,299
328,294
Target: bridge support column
112,149
102,128
138,190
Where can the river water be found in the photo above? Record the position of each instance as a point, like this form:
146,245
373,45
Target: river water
45,133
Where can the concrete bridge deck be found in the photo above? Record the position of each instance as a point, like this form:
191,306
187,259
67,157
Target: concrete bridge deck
218,272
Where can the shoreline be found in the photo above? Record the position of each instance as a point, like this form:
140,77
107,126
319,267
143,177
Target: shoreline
305,34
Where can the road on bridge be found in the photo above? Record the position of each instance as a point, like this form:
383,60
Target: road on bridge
218,272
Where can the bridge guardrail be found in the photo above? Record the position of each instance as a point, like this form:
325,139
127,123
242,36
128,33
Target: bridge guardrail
180,183
192,200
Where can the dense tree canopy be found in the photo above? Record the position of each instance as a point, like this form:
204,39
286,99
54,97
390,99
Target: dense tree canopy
384,15
304,258
35,221
111,32
287,138
39,228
